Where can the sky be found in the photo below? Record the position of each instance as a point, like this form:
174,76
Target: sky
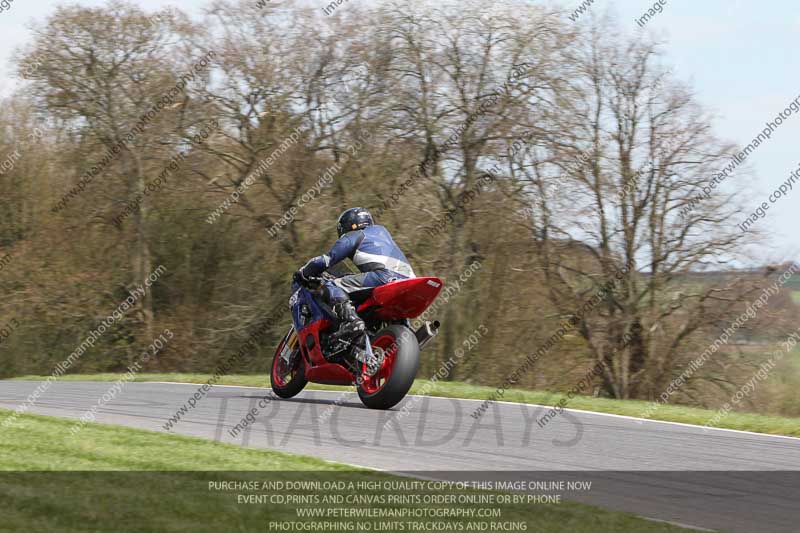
738,55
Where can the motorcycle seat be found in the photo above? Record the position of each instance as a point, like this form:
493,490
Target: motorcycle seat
359,296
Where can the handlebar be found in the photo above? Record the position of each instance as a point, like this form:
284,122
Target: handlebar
318,280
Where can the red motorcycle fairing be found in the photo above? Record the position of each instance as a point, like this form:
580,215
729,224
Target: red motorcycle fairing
313,355
316,367
329,374
407,298
396,300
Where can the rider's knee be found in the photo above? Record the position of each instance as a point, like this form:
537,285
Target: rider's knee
334,294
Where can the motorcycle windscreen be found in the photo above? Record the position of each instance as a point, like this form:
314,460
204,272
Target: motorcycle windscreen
406,298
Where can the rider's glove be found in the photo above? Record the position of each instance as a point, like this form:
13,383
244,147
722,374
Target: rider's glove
300,278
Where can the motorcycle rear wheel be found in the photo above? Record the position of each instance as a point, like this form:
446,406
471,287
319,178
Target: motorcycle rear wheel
390,384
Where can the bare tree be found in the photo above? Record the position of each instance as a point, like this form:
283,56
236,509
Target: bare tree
103,72
636,149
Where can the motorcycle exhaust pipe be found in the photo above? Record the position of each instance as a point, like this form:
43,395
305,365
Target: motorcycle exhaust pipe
426,332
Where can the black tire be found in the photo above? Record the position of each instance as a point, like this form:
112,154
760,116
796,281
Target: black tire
406,364
298,380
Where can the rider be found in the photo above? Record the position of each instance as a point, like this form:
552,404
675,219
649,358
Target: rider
373,251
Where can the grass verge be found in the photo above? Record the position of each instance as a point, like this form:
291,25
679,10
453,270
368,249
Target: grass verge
774,425
111,478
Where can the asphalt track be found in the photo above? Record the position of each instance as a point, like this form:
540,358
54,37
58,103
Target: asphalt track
707,478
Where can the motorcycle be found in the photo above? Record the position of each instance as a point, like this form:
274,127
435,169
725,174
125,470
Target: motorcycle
382,362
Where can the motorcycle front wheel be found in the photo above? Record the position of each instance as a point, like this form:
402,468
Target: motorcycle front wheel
288,379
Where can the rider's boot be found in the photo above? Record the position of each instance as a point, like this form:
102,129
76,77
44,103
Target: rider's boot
351,324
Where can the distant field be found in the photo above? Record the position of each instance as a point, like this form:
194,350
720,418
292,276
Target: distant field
796,296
